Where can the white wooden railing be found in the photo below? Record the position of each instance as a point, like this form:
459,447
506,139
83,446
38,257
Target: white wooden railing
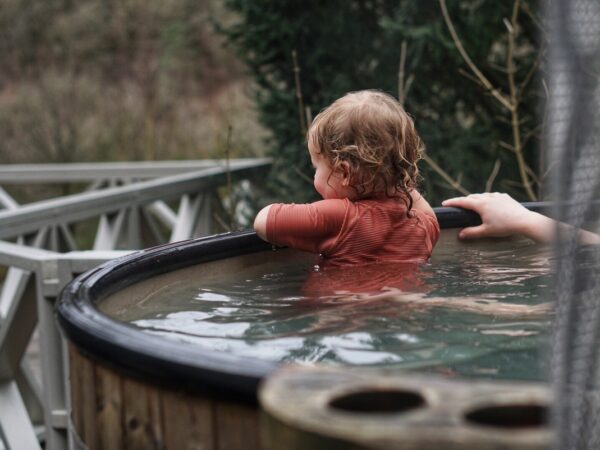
128,206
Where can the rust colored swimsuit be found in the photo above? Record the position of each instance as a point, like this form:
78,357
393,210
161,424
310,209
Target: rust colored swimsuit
351,233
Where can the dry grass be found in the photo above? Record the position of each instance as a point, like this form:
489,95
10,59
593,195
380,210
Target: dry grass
121,81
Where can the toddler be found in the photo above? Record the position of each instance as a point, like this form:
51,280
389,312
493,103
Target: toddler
364,149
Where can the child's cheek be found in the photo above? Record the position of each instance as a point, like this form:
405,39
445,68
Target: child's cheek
319,187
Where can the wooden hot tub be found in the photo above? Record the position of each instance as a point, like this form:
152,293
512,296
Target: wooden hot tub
135,390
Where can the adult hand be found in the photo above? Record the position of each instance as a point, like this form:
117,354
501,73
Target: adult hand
500,214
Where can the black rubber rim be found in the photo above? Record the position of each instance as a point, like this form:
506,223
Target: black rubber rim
120,345
177,364
460,218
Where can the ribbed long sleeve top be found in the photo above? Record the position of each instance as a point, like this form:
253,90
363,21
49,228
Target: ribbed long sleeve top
348,232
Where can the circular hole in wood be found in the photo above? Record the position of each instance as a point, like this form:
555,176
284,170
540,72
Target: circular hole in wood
510,416
378,401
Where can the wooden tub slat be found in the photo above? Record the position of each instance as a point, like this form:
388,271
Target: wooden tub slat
143,423
109,416
112,410
75,391
187,425
237,426
88,402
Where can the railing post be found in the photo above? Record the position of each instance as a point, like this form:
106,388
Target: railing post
52,275
186,217
204,216
15,427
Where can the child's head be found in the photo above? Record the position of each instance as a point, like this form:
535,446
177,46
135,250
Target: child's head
370,144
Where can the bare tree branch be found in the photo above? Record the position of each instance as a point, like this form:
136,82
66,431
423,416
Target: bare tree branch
458,43
534,132
532,70
231,211
510,102
493,175
303,175
308,115
402,93
514,101
451,181
303,128
533,175
217,218
401,73
474,79
512,183
525,7
498,68
403,86
408,84
506,145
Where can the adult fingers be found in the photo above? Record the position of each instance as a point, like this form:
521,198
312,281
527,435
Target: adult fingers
450,200
461,202
473,232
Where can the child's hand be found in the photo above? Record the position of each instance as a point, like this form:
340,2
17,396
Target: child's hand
501,215
260,223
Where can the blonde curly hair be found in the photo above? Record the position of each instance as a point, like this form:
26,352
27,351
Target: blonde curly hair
370,132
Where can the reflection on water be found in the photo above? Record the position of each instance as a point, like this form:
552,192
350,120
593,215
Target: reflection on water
474,310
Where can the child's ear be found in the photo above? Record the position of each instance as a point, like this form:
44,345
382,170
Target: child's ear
344,169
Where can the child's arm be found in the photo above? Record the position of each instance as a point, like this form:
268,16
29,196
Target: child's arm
503,216
305,227
420,204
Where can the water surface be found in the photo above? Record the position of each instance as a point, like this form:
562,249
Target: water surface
478,309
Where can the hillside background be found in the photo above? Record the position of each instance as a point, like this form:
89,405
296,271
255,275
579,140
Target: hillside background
99,80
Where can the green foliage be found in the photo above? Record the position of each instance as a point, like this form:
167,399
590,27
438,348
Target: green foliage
346,45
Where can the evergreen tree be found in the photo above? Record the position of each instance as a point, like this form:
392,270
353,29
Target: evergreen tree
347,45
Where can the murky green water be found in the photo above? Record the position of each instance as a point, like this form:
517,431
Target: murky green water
477,309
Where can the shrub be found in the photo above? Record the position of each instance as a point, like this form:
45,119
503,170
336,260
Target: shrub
346,45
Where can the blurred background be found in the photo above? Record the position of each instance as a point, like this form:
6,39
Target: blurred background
128,80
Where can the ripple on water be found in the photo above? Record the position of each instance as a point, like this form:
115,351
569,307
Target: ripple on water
473,311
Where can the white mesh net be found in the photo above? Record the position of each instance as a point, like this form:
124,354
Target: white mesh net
573,139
